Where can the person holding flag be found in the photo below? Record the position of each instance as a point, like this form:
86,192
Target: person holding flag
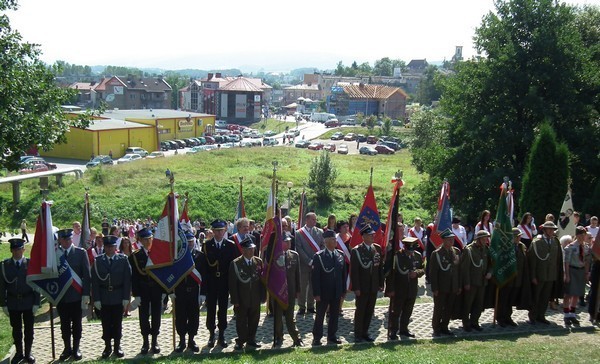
516,288
475,271
111,288
309,240
18,300
76,298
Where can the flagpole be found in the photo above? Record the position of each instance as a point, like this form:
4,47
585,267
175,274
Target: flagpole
172,185
52,332
371,177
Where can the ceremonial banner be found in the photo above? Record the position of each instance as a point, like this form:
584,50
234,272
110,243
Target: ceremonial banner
269,227
303,210
240,211
165,245
443,217
566,220
391,240
171,275
275,277
85,223
502,251
368,215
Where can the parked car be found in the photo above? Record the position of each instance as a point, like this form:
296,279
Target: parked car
332,123
219,139
255,134
24,158
39,160
295,132
129,158
164,146
343,149
350,137
98,160
329,147
384,149
349,121
302,144
220,123
337,136
269,133
315,146
33,168
181,143
269,141
172,145
200,140
156,155
190,142
387,143
367,150
372,139
209,140
137,150
361,138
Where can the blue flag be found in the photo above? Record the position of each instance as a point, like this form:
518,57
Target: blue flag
171,275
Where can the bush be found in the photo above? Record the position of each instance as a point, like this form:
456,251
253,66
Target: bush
321,177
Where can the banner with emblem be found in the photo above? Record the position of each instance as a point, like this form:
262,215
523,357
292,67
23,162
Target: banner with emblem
443,217
566,220
368,215
85,223
275,276
165,245
502,251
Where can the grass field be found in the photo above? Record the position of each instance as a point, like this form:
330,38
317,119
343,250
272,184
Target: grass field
277,126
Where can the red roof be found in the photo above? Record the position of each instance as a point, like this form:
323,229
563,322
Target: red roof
363,91
241,84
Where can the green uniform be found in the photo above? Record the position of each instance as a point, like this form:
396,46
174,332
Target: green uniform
474,267
445,280
404,287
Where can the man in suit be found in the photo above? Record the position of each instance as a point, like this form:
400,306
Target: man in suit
247,292
189,296
111,288
329,286
475,273
147,293
445,282
218,253
366,274
545,260
292,269
73,302
18,300
402,286
309,240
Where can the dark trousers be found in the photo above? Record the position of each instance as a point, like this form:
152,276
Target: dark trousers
365,306
472,305
24,235
443,304
290,321
112,320
220,298
246,323
506,298
306,289
334,315
70,322
187,314
22,323
401,307
594,282
150,307
541,295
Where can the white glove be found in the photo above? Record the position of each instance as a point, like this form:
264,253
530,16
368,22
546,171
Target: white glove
98,305
162,298
125,303
135,303
5,309
85,300
35,308
172,297
201,299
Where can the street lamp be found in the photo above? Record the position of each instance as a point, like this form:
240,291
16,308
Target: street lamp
289,186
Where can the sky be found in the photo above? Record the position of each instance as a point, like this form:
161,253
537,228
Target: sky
267,35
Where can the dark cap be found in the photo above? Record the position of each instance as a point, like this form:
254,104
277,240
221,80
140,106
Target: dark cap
248,242
516,231
549,225
367,229
456,220
410,243
218,224
144,233
16,243
65,233
110,240
189,235
328,234
482,234
447,234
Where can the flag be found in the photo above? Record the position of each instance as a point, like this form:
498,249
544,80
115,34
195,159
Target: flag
275,276
303,210
46,274
391,240
269,226
502,251
368,215
184,220
510,205
566,220
240,211
85,223
165,246
443,217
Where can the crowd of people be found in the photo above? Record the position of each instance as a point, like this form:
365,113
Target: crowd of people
321,268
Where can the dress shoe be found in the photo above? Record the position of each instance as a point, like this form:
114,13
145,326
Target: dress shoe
211,340
192,346
575,321
311,310
238,347
76,354
298,344
392,337
543,321
407,333
107,351
316,343
180,347
301,311
222,343
155,347
118,351
367,338
30,359
437,334
66,354
447,332
17,358
477,327
510,322
334,341
253,344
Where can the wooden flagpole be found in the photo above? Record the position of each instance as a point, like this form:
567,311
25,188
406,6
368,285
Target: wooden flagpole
52,332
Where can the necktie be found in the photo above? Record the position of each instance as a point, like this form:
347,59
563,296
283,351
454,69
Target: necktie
110,261
65,253
18,264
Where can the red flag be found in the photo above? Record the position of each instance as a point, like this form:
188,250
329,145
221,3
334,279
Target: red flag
164,249
368,215
275,277
392,235
443,220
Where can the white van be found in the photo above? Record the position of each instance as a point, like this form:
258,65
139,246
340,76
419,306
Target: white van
136,150
220,124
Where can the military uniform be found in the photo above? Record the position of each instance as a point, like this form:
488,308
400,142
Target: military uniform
292,270
247,292
511,291
444,277
306,251
474,267
366,275
19,301
111,288
402,281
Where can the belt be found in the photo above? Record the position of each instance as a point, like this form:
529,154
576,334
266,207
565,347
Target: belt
574,267
111,288
189,289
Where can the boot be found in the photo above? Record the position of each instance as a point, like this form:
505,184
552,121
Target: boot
145,346
107,350
222,341
155,347
192,345
76,353
18,354
118,351
211,339
66,353
28,357
181,347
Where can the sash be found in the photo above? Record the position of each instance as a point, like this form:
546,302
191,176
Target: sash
306,234
412,233
344,249
527,231
237,240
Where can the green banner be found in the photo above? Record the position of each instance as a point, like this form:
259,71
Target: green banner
502,251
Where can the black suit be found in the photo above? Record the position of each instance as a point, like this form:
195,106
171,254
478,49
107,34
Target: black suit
187,308
329,284
149,291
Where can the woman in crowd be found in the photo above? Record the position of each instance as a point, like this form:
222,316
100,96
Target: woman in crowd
528,229
484,222
331,223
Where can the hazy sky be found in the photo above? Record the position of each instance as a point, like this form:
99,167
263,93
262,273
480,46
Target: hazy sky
250,35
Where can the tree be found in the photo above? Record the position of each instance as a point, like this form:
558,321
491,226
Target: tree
322,176
386,127
428,90
546,176
30,102
371,120
383,67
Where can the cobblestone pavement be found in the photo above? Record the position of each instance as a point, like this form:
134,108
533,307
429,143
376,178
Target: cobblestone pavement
92,344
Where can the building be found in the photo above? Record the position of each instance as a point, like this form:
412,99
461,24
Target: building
240,101
376,100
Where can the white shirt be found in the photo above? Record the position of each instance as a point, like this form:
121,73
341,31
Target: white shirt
593,231
461,233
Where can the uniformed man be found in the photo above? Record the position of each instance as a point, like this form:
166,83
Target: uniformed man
219,253
402,286
366,275
247,292
309,240
73,302
475,273
292,270
111,288
545,261
508,294
18,300
329,286
189,296
147,293
445,282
